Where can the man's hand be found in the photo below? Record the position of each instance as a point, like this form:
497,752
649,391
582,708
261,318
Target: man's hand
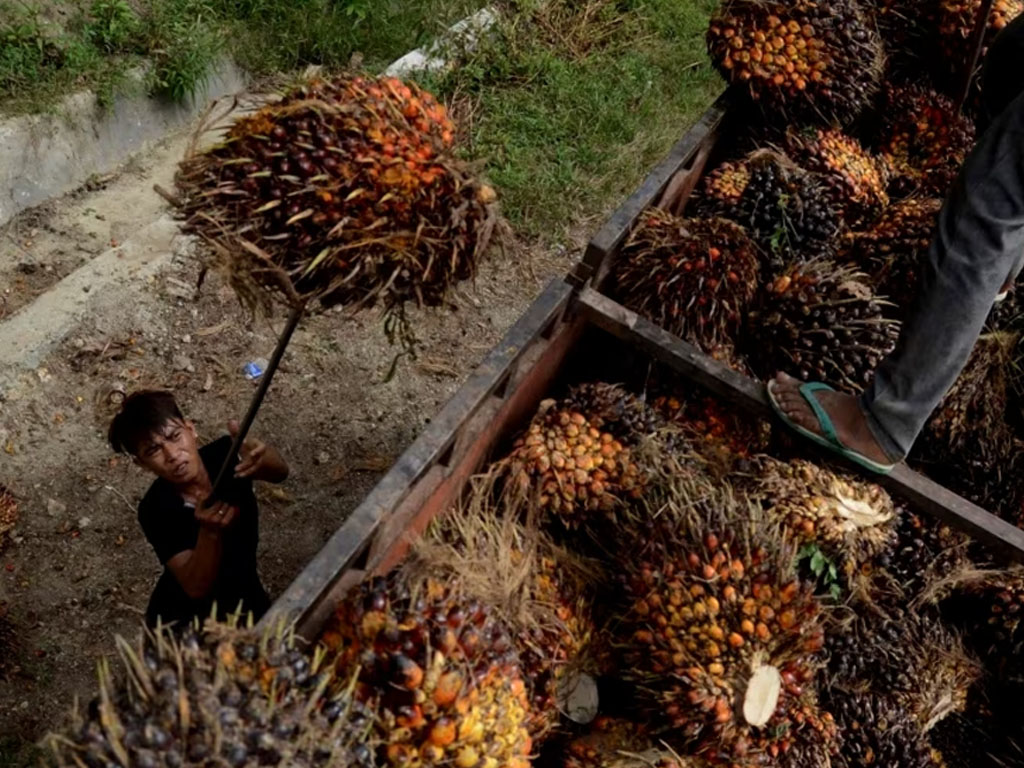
216,516
258,460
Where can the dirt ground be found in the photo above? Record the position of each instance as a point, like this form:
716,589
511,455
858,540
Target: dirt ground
79,570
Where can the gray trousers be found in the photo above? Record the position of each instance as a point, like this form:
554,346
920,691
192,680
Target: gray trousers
978,246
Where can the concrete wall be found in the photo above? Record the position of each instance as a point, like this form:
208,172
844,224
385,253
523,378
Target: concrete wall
45,156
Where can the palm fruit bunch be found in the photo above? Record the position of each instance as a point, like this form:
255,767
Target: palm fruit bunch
821,322
712,425
440,669
8,514
346,191
926,551
991,606
809,60
858,180
969,429
617,743
876,732
537,588
571,468
717,632
217,696
985,736
924,139
612,408
955,20
693,277
786,210
903,35
893,249
906,656
853,522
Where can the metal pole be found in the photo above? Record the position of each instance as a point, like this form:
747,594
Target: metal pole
257,399
977,43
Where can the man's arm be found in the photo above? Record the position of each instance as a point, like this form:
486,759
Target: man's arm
196,569
260,461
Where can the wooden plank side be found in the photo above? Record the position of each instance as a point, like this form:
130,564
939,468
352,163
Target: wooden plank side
744,392
355,534
608,239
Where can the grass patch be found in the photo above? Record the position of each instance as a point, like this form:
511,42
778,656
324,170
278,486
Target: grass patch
95,43
573,101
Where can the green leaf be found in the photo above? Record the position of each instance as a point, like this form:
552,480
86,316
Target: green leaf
817,563
836,591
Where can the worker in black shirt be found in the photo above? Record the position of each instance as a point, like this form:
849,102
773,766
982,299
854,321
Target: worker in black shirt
208,549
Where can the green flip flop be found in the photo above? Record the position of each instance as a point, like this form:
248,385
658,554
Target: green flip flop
830,439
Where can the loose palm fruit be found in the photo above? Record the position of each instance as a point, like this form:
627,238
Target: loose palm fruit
220,696
440,668
570,467
8,514
693,277
804,60
346,191
820,322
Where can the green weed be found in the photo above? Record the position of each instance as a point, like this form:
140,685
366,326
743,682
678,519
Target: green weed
113,26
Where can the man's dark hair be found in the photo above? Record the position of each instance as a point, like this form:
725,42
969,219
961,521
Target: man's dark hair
142,414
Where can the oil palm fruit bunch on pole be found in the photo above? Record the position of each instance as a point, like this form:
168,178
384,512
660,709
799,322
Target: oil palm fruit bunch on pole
617,743
877,732
822,322
537,588
787,211
858,178
217,696
717,633
908,657
893,249
440,668
570,468
344,191
8,514
807,60
693,277
853,522
924,139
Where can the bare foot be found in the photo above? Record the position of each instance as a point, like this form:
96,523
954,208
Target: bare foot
847,417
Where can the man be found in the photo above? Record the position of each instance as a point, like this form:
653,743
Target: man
976,255
207,547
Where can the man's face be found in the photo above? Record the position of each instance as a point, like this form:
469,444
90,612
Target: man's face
171,452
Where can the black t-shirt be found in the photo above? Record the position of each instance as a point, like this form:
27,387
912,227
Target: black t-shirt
171,527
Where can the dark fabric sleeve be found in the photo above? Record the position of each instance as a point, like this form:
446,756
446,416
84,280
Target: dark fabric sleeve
170,528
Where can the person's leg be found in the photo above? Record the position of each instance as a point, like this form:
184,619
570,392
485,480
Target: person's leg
976,247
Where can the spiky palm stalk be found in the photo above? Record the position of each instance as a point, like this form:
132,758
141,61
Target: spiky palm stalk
893,250
693,277
924,139
617,743
786,210
570,468
806,60
440,668
219,696
344,191
853,522
858,179
537,588
820,321
716,631
8,514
